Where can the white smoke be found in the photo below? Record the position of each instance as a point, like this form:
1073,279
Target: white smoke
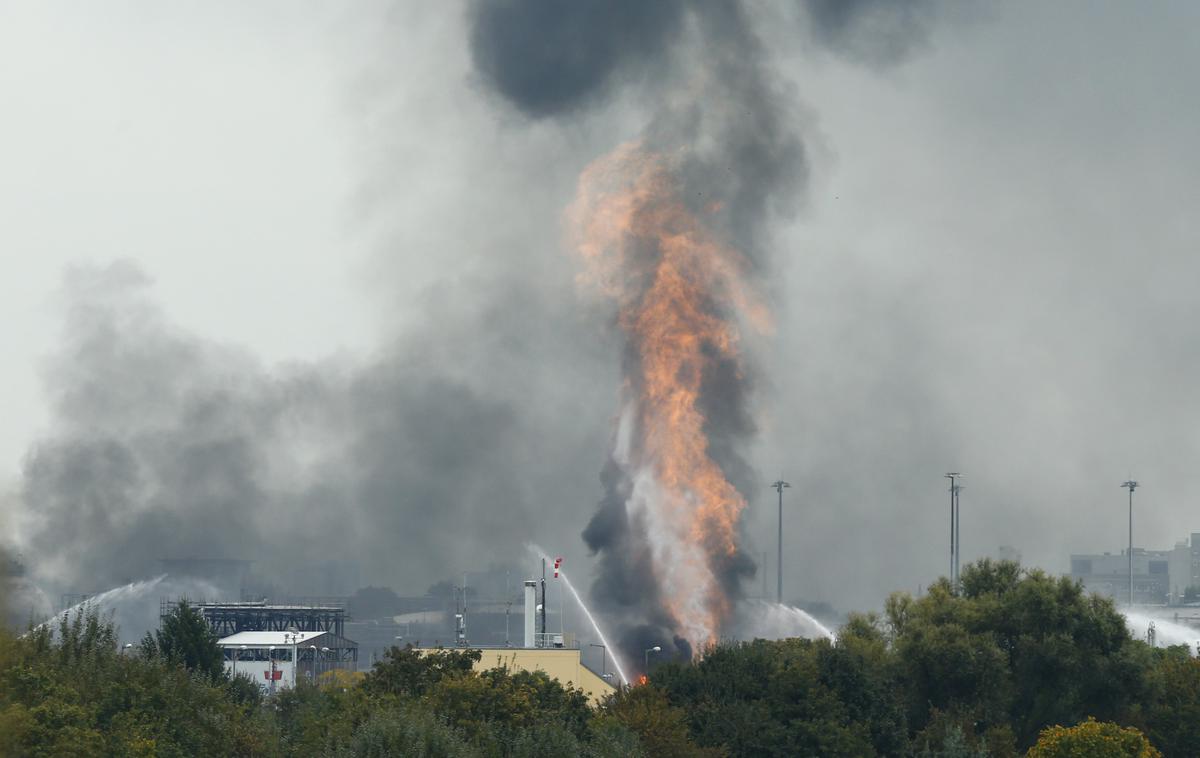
759,619
1166,632
134,608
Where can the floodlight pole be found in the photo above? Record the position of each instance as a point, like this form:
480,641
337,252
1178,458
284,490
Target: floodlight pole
1130,485
779,486
957,536
953,476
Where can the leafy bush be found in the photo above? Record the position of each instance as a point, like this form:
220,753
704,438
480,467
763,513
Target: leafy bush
1092,739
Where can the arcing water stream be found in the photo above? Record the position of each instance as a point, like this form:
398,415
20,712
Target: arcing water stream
133,607
612,652
109,599
760,619
1166,632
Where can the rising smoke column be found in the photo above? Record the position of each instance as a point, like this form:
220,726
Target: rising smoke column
674,227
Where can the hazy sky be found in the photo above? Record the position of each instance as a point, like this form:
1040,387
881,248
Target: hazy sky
993,269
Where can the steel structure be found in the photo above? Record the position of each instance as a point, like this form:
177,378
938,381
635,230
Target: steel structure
257,616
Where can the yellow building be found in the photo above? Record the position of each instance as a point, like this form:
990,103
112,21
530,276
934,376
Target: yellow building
561,663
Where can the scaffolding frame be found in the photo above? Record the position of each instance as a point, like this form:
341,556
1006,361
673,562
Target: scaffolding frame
227,619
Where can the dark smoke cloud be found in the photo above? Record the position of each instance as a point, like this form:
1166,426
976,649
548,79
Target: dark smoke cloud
878,32
549,57
722,107
164,445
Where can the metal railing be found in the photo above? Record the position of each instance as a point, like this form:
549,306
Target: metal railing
555,640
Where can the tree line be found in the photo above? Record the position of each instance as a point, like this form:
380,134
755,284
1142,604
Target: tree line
1011,663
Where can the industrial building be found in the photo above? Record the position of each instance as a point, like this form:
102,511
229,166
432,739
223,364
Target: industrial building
1160,577
279,659
563,664
277,643
554,653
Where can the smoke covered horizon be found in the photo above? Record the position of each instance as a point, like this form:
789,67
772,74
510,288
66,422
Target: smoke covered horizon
983,261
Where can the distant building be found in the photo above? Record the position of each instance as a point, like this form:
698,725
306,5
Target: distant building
1160,577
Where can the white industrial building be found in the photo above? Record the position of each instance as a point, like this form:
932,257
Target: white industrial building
279,659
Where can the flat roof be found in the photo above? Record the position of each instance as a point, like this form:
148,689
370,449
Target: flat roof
264,639
257,606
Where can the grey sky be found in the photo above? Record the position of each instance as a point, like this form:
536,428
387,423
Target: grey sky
994,269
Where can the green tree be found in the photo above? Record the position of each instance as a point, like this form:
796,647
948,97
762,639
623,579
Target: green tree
68,690
1092,739
316,718
186,638
410,732
1017,648
952,744
410,672
954,735
792,696
662,729
1172,719
503,703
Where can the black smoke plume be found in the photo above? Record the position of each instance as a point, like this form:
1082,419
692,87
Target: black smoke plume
720,104
412,464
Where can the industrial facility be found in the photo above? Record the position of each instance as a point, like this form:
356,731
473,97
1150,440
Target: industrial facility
282,641
1159,577
277,660
554,653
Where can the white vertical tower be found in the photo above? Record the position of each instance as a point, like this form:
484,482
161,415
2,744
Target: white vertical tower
530,612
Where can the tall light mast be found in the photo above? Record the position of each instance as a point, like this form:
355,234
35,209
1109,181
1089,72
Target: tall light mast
953,476
779,486
1131,486
958,488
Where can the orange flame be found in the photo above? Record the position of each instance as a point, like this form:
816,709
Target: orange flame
679,292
